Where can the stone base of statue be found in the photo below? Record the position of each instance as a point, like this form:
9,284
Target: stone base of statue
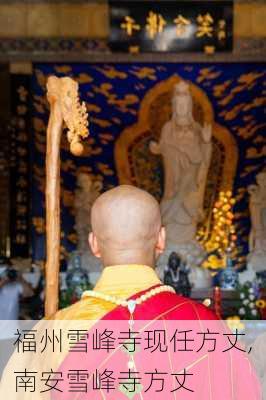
193,254
257,261
248,275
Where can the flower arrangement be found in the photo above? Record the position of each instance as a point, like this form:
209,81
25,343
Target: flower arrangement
261,304
250,304
234,323
71,295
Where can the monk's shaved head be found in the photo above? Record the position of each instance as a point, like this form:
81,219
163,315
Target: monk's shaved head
126,223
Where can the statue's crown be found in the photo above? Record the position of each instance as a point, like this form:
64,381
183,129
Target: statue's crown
181,88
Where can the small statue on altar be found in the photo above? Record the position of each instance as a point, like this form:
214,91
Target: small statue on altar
171,272
88,189
257,239
186,149
77,279
176,275
86,193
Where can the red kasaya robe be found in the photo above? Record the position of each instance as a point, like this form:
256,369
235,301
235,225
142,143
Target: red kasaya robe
215,374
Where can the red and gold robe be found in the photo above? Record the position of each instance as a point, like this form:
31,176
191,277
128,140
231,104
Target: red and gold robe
229,376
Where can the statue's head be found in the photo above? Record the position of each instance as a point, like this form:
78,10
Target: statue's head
174,261
182,102
84,180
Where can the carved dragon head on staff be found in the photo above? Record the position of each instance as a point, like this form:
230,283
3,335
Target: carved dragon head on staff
63,92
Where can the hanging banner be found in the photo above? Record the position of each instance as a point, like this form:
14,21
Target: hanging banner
171,26
19,166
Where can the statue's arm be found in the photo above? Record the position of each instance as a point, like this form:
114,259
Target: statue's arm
206,132
253,191
204,167
155,147
251,240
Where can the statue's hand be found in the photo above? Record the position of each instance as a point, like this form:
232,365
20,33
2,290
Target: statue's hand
207,132
252,189
154,147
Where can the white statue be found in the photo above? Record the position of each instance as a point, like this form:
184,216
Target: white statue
257,239
86,193
186,148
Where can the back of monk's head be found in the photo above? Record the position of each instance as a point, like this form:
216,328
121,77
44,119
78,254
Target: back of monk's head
126,225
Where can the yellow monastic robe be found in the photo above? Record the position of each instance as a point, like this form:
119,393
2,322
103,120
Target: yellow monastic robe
122,281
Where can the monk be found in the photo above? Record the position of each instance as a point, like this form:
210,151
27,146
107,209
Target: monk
128,236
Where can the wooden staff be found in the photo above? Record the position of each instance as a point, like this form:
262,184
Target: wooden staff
62,95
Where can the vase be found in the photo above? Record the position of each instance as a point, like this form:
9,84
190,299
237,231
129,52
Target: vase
229,277
77,278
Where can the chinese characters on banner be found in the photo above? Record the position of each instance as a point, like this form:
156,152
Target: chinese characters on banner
170,26
19,167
